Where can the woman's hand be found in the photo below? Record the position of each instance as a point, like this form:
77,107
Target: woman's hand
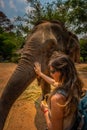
44,106
37,68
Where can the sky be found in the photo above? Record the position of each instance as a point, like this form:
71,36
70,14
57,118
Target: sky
14,8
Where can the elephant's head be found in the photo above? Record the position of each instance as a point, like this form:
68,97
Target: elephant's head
46,38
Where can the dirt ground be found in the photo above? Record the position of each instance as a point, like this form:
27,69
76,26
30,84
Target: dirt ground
25,113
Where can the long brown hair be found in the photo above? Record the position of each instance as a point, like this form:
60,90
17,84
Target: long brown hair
72,84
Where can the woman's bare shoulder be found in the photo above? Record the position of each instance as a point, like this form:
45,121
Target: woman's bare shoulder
58,98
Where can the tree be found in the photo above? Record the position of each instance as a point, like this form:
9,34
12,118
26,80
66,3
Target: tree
40,12
10,41
5,23
77,15
6,46
83,49
72,12
9,45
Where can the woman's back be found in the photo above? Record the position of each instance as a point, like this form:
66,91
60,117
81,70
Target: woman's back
69,111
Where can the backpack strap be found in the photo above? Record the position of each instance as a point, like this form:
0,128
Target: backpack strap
62,91
81,123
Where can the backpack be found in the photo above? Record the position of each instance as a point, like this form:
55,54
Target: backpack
81,119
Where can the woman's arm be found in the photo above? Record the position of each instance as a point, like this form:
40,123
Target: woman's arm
55,122
46,112
48,79
48,121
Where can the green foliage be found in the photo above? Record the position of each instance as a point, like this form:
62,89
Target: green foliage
9,44
81,59
5,23
15,57
83,49
77,15
72,12
51,11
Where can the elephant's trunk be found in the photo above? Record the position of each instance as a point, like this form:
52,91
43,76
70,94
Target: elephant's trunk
22,76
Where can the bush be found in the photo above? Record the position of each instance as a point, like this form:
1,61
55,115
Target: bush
15,58
81,59
83,49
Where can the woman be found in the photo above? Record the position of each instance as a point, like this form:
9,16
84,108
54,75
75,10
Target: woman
60,113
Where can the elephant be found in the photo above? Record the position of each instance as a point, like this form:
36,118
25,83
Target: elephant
45,38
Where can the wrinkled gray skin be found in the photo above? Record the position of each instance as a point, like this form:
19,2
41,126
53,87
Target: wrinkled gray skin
45,38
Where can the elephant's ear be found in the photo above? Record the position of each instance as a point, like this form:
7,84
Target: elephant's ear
49,46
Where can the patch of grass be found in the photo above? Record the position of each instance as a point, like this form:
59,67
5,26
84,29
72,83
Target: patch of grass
32,92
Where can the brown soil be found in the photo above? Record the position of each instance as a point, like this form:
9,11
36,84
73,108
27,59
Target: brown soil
25,113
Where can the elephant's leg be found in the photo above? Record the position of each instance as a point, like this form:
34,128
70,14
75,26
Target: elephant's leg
45,89
22,76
